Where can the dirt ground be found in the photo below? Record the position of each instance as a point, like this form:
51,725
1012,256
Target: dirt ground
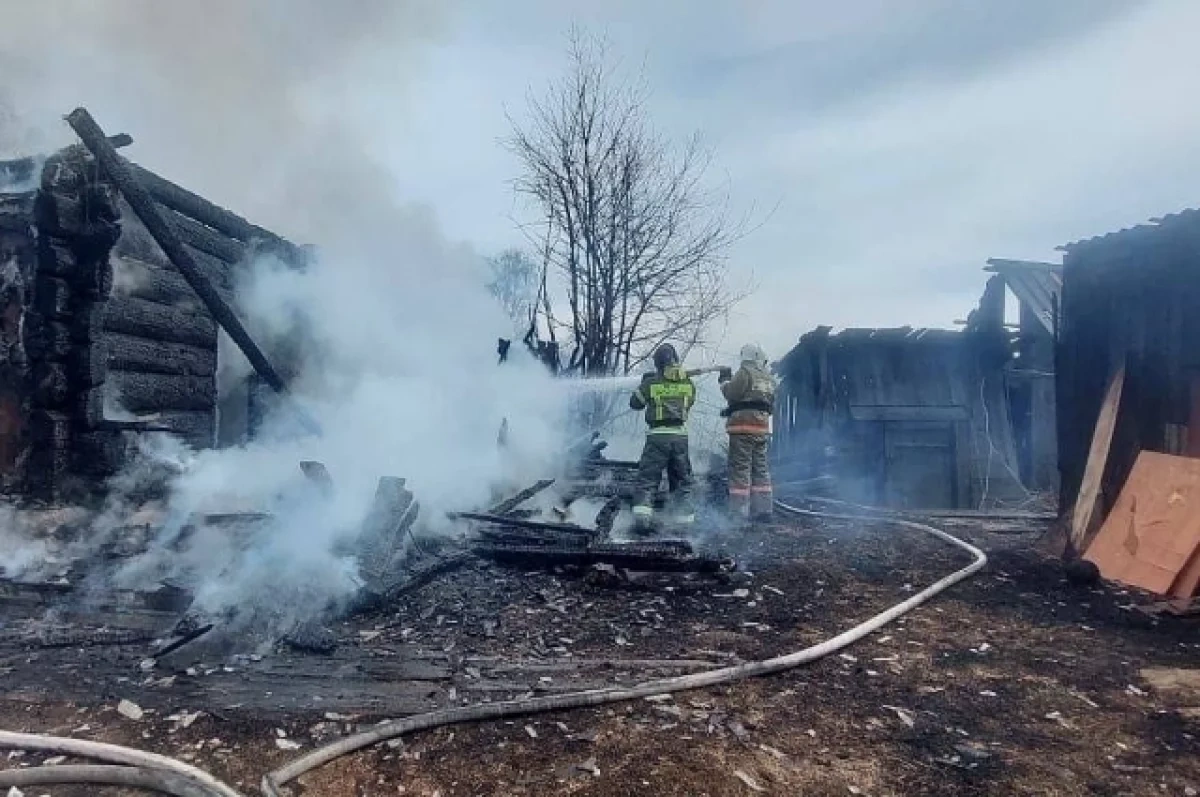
1014,682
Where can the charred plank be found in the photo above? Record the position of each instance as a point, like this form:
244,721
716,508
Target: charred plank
628,557
509,504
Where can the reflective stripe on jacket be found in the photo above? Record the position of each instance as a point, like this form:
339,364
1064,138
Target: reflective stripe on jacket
752,384
667,399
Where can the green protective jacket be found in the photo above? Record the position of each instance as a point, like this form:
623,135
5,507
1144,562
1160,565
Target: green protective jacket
667,398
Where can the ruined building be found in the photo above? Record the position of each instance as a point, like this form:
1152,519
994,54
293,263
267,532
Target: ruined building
100,336
929,418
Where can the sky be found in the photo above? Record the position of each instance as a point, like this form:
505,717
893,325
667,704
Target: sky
883,149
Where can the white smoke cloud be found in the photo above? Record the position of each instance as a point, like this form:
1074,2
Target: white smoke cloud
241,101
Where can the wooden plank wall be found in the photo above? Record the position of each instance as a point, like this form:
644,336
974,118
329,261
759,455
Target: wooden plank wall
1131,294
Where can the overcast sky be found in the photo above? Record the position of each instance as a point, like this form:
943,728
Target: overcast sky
899,144
896,143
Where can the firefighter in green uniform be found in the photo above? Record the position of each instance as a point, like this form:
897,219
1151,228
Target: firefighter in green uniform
751,396
667,396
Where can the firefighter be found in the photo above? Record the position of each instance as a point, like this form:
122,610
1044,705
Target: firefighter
751,396
667,396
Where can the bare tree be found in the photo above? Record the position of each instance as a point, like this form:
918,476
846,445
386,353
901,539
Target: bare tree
635,241
516,283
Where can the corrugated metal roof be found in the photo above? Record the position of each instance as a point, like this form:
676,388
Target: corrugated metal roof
1186,216
1036,285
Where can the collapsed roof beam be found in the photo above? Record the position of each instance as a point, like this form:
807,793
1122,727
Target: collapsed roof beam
143,205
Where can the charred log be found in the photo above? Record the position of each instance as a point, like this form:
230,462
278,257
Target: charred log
137,392
89,217
90,275
45,339
509,504
628,556
205,239
16,211
144,319
382,541
167,238
52,298
117,352
50,449
223,221
161,285
98,455
196,428
137,243
51,385
537,525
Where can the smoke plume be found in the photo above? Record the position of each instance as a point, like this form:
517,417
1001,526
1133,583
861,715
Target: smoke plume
251,103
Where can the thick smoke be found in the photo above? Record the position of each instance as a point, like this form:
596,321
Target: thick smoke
252,104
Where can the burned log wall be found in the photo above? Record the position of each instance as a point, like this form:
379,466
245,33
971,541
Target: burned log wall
1129,296
56,242
100,336
18,273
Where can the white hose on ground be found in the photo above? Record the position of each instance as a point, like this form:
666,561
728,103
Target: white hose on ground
273,781
157,780
114,754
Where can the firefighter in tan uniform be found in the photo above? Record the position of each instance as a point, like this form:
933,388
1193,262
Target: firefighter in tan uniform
751,396
667,395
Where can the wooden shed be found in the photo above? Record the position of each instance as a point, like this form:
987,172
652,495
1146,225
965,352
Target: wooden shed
926,417
1130,297
900,417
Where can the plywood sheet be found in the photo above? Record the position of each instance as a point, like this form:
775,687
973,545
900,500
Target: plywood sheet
1151,537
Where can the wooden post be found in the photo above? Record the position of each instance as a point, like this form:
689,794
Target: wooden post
143,205
1093,474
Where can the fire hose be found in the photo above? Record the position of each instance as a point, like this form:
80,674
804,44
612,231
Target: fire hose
136,768
159,773
274,781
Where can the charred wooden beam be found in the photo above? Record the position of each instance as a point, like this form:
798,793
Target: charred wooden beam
143,205
522,523
223,221
509,504
632,556
143,319
381,542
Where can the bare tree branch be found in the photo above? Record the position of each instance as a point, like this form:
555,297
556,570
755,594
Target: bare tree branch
636,243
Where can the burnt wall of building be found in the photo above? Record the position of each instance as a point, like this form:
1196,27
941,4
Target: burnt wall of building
1130,297
18,274
56,241
897,417
101,338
